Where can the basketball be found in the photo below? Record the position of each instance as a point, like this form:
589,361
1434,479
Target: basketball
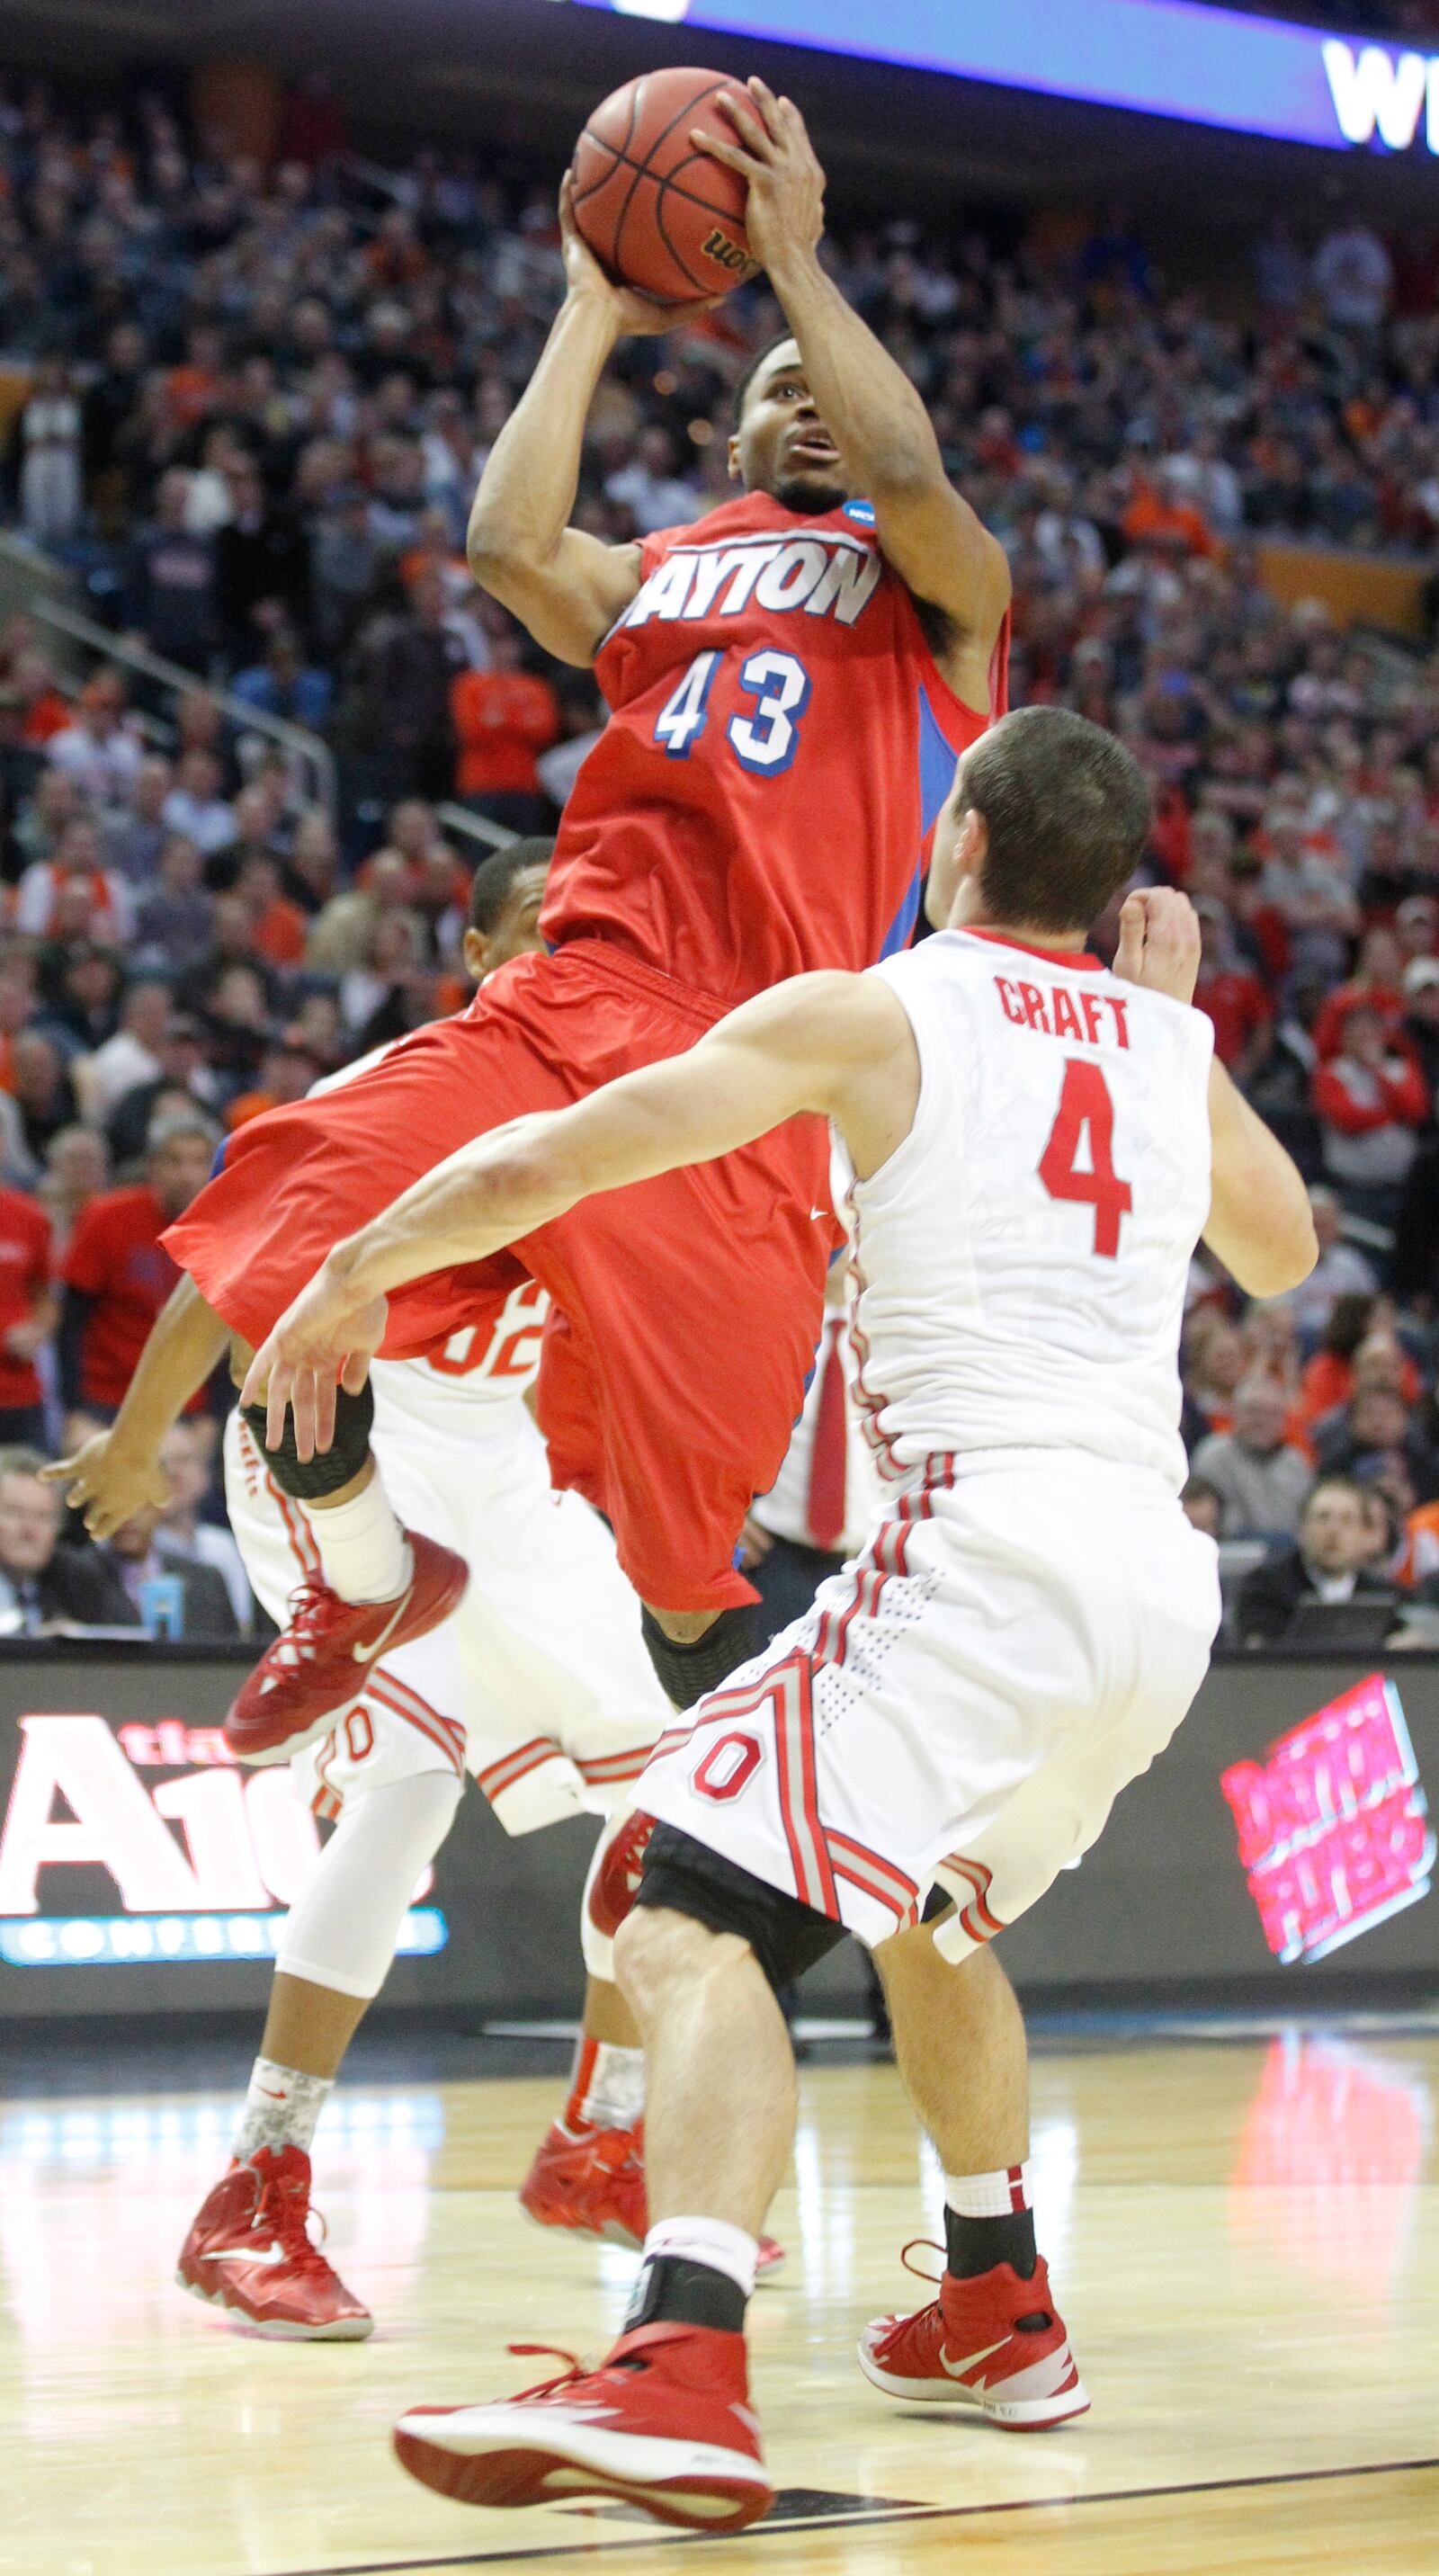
657,214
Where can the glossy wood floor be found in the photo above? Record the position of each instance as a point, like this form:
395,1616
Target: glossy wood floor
1245,2239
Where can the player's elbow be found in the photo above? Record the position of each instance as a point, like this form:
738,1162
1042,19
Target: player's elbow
495,546
1281,1257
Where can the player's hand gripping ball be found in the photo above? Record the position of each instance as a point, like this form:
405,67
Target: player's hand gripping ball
660,214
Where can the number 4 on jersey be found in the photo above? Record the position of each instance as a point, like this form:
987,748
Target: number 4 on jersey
1085,1123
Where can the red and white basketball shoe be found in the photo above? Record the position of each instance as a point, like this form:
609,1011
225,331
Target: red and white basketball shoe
593,2180
664,2423
317,1669
996,2342
617,1880
249,2252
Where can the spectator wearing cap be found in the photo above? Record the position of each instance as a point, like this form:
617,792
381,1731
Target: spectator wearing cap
131,1056
99,751
117,1272
1371,1101
1261,1477
75,878
29,1312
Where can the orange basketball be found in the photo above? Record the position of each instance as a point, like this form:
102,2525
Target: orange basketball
657,214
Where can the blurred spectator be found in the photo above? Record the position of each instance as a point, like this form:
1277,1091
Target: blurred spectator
410,665
184,1080
42,1092
29,1311
1421,1022
195,805
75,876
1231,995
1340,1271
170,588
131,1056
1260,1477
1374,1426
43,1582
649,488
1327,1563
51,490
182,1534
1371,1101
98,751
1202,1505
206,1609
504,717
1354,275
77,1169
283,684
117,1273
261,563
174,924
136,834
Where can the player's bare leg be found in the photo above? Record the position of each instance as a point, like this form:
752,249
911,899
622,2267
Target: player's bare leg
992,2338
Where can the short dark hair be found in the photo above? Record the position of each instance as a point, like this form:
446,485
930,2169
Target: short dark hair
494,879
1333,1480
1067,810
781,340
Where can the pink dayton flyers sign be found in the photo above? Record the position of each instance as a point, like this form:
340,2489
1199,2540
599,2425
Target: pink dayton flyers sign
1333,1832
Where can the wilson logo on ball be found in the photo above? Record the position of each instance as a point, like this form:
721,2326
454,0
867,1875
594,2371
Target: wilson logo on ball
728,253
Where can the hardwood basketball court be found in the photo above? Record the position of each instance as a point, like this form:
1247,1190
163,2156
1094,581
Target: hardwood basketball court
1244,2234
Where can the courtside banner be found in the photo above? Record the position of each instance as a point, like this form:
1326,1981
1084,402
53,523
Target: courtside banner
1160,57
1282,1847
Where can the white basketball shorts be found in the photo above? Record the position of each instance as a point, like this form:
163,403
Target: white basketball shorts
963,1703
539,1685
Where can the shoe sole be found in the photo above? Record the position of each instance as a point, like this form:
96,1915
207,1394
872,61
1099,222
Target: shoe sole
256,1757
279,2329
503,2471
1012,2415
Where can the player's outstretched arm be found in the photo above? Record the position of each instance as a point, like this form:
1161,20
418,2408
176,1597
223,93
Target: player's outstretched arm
566,587
118,1471
929,532
840,1045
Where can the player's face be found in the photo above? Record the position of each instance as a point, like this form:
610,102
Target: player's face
515,934
782,446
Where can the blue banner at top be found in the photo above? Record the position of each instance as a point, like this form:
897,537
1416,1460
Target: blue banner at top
1160,57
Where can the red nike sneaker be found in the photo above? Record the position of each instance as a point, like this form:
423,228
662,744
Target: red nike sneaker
617,1880
996,2342
593,2180
665,2423
304,1683
249,2252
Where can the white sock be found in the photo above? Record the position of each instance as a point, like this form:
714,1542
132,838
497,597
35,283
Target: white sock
281,2107
711,2241
364,1553
607,2085
990,2195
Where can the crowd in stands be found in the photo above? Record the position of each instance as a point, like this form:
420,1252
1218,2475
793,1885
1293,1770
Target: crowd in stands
253,408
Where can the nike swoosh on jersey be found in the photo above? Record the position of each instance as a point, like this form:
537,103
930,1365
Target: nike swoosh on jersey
957,2369
365,1654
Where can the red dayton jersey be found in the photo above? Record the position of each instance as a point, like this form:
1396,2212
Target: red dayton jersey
780,742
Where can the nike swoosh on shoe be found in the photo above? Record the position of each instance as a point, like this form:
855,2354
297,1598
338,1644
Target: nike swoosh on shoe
365,1654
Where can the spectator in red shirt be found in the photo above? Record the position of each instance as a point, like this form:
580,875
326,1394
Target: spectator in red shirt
1372,1100
29,1310
504,718
118,1274
1231,995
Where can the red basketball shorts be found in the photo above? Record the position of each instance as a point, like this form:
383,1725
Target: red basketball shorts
685,1309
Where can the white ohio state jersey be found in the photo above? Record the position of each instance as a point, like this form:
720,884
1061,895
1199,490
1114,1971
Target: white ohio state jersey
1021,1259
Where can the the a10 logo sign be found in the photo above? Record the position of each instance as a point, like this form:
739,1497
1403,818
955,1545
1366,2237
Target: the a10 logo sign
213,1839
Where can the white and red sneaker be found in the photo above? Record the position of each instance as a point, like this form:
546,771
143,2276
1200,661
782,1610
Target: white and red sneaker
249,2252
317,1669
593,2180
664,2423
996,2342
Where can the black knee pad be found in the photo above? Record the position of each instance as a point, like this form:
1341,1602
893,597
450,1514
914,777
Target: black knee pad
686,1877
687,1672
310,1479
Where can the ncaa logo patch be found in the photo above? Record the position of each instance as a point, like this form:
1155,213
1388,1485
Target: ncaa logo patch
862,513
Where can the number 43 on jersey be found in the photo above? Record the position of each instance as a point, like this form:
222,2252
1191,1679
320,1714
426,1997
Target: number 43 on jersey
765,740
